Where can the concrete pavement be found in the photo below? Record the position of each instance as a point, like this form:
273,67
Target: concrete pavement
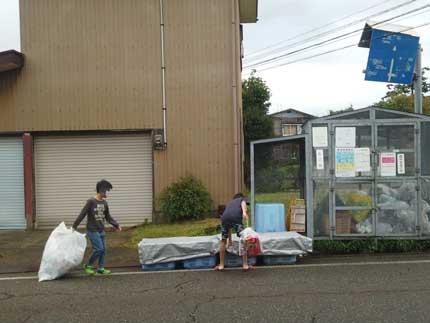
393,291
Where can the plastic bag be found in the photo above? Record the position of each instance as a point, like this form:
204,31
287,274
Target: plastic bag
249,242
63,251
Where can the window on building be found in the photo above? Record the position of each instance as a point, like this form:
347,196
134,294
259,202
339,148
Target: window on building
291,129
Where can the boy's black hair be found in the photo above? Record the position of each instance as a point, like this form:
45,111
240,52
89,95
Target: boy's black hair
237,195
103,186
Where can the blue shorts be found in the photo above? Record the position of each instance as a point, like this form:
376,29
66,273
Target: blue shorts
225,227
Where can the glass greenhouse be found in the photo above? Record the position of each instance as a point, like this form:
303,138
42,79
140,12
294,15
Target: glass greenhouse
364,173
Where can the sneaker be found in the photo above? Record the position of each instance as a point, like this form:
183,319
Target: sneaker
89,269
103,271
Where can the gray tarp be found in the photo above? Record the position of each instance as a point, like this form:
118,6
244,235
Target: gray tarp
152,251
280,244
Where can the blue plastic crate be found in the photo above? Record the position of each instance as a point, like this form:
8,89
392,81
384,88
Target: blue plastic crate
280,260
160,266
269,217
199,263
231,260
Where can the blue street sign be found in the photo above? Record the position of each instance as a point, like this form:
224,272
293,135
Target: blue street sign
391,57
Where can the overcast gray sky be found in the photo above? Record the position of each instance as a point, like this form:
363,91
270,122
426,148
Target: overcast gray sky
331,81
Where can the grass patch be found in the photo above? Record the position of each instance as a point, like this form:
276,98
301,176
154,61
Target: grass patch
195,228
279,197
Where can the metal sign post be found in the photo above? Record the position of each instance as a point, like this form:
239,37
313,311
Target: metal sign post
418,83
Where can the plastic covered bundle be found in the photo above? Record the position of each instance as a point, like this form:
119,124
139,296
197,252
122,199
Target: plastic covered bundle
63,251
161,250
279,244
250,243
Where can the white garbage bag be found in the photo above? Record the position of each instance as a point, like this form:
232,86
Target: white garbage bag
63,251
249,243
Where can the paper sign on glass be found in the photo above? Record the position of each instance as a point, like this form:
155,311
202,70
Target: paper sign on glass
320,158
362,159
387,162
319,137
345,165
401,164
345,137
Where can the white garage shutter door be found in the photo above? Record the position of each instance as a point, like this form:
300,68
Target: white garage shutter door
67,169
12,200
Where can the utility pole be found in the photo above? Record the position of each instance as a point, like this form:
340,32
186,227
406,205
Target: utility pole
418,83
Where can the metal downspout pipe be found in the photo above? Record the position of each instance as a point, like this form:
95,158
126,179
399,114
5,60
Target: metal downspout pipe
235,28
163,73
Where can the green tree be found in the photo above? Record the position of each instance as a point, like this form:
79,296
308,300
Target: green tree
256,121
401,96
348,109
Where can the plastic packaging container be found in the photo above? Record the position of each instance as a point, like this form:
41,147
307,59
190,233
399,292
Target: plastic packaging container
232,260
269,217
199,263
160,266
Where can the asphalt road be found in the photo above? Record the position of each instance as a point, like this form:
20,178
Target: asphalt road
398,291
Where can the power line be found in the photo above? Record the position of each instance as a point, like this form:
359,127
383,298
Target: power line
321,27
339,38
325,42
322,34
331,51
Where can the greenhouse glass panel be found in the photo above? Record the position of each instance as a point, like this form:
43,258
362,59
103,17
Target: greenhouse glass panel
278,176
354,194
425,148
348,141
358,115
390,115
321,167
395,146
354,222
354,208
425,206
321,209
396,205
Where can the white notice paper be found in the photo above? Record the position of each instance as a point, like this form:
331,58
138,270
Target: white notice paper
387,162
362,159
320,159
401,163
319,137
345,137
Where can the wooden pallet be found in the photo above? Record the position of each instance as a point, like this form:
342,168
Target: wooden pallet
296,217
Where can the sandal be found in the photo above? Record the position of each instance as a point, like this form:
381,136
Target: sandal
217,268
250,268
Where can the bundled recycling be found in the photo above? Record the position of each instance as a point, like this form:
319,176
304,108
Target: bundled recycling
397,211
63,251
161,250
249,243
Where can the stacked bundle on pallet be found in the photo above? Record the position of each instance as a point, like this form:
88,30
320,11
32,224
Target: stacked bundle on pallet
200,252
163,253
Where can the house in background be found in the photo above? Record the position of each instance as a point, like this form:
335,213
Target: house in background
289,122
138,92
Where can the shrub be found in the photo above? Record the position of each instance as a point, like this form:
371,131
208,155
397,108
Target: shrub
370,246
188,198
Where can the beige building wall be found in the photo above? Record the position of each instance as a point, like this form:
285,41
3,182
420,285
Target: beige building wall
201,64
89,65
96,65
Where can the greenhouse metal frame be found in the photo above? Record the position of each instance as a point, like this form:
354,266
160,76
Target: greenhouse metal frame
367,174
